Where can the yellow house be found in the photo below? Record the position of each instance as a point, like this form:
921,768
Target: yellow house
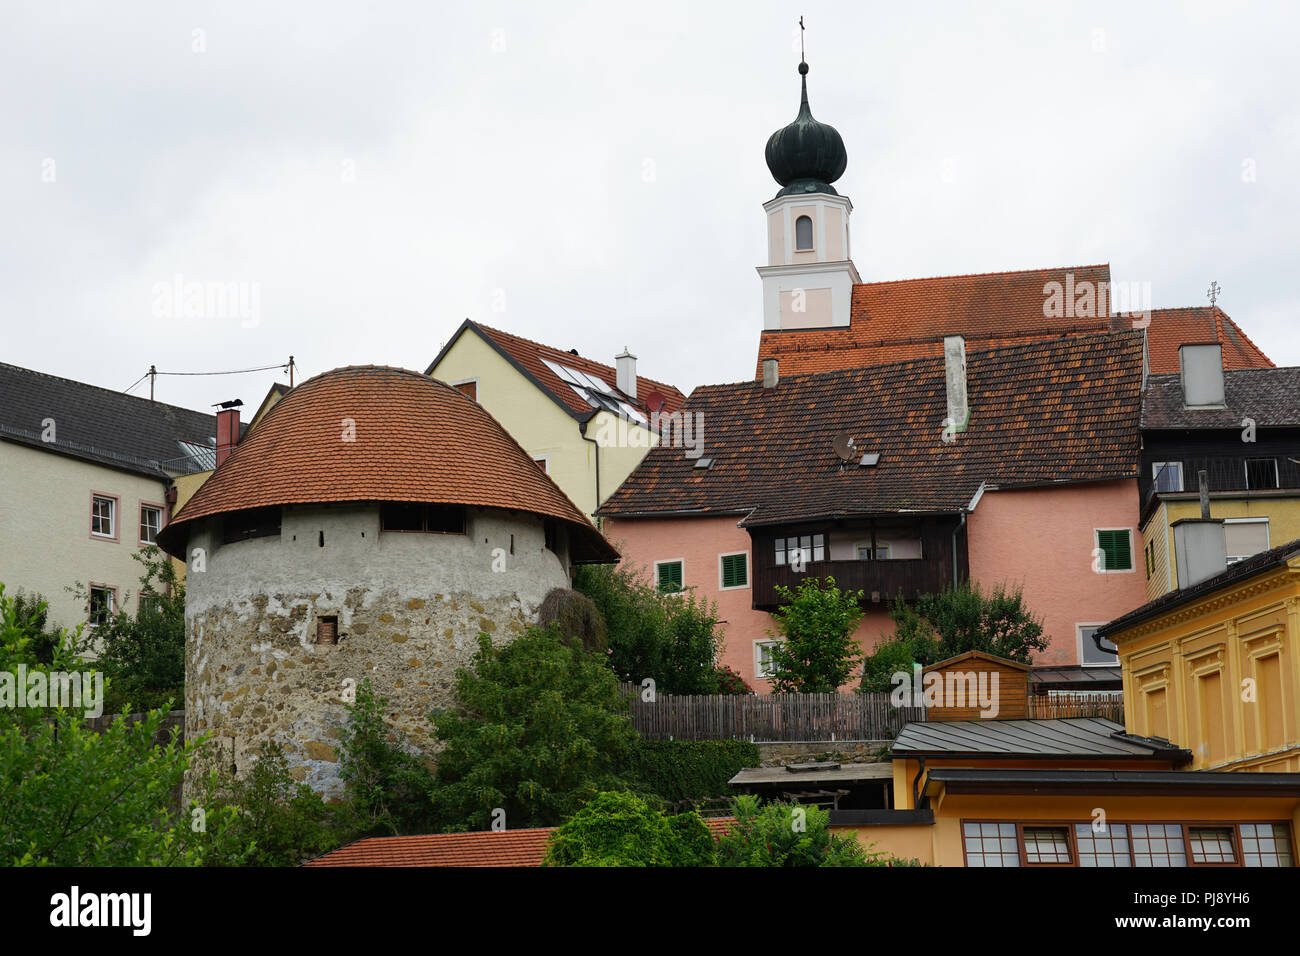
1215,666
585,423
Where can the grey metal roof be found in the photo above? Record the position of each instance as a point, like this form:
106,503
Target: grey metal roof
1076,675
1083,737
849,772
1138,781
99,425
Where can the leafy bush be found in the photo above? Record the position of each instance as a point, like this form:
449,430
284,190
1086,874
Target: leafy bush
787,834
540,728
74,797
388,788
817,652
729,681
689,770
31,616
671,638
271,820
952,622
620,829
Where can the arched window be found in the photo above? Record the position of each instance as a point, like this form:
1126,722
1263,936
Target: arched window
803,240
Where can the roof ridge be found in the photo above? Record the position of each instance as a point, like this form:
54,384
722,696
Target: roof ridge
979,275
101,388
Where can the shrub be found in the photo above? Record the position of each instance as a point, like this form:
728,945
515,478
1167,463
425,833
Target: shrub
679,771
729,681
620,829
540,728
577,617
787,834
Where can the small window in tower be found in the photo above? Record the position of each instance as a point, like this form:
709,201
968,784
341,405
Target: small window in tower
327,630
803,237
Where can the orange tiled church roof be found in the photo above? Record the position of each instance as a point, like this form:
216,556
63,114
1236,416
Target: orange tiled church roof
1171,328
416,439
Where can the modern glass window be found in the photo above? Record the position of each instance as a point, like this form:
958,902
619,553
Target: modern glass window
150,524
1266,844
1261,473
1168,475
1088,652
103,602
1107,847
812,547
803,234
735,570
668,575
1046,845
991,844
763,664
103,516
1116,549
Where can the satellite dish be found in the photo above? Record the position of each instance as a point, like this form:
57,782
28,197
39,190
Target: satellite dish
844,446
655,402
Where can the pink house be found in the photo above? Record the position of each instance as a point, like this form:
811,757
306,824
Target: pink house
860,473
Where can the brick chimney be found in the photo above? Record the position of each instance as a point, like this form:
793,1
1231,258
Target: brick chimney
227,429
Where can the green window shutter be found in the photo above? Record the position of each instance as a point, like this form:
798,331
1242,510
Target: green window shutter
670,576
1115,548
735,571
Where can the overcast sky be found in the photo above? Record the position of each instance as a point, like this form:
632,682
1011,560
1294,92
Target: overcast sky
592,176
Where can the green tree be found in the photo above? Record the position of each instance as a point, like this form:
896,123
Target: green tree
74,797
787,834
540,727
621,829
672,638
817,653
952,622
388,787
31,613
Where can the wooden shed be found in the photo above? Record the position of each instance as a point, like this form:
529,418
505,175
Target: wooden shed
969,683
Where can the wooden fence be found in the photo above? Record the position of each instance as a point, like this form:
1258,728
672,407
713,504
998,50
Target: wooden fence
769,717
1110,706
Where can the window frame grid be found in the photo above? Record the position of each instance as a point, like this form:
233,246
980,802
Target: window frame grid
162,521
116,516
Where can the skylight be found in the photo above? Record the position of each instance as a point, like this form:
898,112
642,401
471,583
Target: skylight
595,391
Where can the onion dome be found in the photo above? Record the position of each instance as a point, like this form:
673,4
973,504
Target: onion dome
806,156
409,438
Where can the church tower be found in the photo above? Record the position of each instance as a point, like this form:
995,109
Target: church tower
809,277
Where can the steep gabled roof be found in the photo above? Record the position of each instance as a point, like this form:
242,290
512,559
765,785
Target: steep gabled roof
530,358
100,425
1040,413
415,439
908,318
1268,396
1171,328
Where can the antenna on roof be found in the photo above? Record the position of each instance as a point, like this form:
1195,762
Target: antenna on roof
845,446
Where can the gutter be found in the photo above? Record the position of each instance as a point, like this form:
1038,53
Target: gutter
955,531
919,802
582,430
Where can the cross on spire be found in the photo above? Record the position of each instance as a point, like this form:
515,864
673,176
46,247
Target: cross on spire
1213,292
802,57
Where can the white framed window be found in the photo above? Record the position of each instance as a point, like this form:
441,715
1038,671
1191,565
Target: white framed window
733,571
803,234
670,574
1089,655
763,664
1113,550
103,604
150,522
882,551
1167,475
813,547
103,516
1245,537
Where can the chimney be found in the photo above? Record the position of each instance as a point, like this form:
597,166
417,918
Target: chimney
954,371
1200,549
771,373
227,429
1201,367
626,373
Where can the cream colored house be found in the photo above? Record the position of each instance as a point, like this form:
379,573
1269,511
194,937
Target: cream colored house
87,478
586,424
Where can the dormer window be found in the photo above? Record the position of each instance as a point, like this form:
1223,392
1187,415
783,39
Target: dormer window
803,234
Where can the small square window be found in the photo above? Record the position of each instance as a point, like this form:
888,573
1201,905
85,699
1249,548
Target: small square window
1158,845
1266,845
327,630
1167,475
1088,652
991,844
763,663
150,524
1211,844
1107,847
103,516
669,575
735,570
1046,845
1116,549
1261,473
